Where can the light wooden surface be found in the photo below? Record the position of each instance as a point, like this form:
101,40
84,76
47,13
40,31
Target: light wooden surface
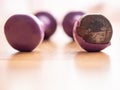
60,64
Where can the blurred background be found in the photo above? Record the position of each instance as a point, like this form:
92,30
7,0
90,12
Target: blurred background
59,7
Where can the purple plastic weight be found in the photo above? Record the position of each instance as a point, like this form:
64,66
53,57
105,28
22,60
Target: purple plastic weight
69,20
23,32
93,32
49,23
